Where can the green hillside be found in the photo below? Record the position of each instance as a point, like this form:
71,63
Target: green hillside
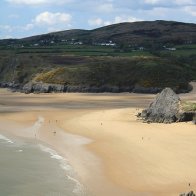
127,55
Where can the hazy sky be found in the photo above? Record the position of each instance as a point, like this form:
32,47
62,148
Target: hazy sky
21,18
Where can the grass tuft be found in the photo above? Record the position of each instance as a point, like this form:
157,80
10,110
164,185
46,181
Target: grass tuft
189,106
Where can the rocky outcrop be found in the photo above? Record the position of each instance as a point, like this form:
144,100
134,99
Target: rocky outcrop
39,87
101,89
48,88
146,90
166,108
191,193
43,88
154,90
27,88
10,85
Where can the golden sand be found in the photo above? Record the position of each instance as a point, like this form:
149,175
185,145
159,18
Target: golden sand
112,151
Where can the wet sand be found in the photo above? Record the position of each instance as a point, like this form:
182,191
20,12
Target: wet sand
111,151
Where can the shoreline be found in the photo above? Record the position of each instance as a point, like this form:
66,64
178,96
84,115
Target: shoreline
121,155
39,87
120,147
72,147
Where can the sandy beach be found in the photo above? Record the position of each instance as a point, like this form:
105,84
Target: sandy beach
112,152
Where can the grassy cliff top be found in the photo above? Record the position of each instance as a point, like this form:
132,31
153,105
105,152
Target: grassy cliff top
189,106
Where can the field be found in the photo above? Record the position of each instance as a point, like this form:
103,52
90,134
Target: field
182,50
84,50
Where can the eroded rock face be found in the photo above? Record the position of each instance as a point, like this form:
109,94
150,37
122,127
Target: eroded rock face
164,109
43,88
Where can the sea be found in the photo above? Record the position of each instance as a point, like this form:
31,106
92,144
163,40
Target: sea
31,168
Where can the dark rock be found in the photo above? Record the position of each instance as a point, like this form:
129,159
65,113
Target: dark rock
194,119
12,86
41,88
191,193
125,89
65,89
93,89
73,89
115,90
144,114
188,88
56,88
146,90
139,115
27,88
185,116
8,85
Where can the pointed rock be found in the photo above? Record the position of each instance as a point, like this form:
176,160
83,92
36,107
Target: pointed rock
165,108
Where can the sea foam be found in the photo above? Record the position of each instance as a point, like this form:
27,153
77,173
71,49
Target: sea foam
78,189
2,137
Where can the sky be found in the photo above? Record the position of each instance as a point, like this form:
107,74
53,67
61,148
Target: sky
23,18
